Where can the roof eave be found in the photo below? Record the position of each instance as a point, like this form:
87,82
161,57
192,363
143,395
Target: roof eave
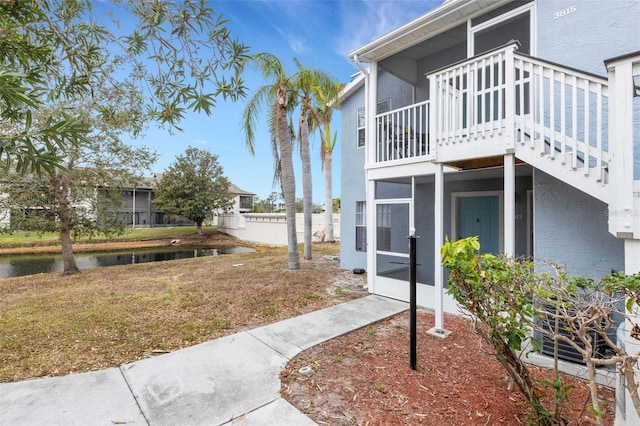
423,27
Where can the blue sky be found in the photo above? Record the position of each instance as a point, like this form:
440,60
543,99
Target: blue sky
320,33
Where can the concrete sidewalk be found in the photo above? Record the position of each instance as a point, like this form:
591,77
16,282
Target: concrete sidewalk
232,380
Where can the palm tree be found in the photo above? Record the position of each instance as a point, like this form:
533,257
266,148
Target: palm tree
279,99
309,83
326,100
305,80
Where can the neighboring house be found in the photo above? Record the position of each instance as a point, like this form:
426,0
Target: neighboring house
512,120
140,211
242,201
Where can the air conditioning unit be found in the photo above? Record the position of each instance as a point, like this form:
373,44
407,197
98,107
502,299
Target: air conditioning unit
565,351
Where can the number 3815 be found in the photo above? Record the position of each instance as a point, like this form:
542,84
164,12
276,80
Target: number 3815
564,12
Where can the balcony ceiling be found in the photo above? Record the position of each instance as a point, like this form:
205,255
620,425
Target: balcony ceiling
436,44
452,175
410,37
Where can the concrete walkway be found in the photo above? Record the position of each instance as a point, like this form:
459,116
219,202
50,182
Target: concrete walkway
232,380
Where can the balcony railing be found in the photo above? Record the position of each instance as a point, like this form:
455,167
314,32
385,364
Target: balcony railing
403,133
497,102
562,113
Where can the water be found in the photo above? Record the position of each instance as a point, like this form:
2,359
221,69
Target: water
16,266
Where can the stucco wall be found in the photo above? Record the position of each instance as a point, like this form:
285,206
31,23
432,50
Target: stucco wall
271,228
595,31
571,228
591,31
353,178
352,182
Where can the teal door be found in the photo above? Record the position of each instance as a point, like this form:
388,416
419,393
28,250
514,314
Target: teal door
480,216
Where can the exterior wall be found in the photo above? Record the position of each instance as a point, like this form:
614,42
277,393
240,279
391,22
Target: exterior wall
434,62
424,217
583,39
571,228
391,87
352,178
270,228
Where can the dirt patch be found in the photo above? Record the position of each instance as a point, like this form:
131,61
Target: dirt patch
364,378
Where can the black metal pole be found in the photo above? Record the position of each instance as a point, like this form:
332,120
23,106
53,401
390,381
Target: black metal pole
412,301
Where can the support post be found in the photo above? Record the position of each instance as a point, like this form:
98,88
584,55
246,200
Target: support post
412,301
509,205
438,213
632,345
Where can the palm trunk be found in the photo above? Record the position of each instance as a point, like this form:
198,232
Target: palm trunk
328,198
307,193
287,178
64,225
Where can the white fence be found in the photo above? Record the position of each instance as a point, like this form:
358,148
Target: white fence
271,228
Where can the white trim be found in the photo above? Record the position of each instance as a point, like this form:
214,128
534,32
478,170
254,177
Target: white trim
509,178
371,242
529,7
454,212
392,253
438,233
529,222
393,200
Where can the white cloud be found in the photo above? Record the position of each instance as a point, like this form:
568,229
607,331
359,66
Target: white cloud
202,142
362,21
295,41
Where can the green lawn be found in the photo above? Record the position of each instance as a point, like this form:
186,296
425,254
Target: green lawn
28,238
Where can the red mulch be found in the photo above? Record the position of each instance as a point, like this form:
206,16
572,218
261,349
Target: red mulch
364,378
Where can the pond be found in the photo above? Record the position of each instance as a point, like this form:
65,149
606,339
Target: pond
16,266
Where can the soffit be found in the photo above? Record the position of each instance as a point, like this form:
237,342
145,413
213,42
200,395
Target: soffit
408,37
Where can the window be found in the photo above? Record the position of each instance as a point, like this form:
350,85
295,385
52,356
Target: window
361,226
383,223
246,202
383,106
361,127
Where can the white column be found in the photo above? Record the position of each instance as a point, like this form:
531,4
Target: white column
371,95
371,102
509,205
438,276
621,90
370,218
632,266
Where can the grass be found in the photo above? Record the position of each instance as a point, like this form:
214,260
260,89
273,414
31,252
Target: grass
30,239
52,324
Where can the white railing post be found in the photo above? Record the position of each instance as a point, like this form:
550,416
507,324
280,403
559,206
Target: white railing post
623,208
371,100
510,100
433,134
621,90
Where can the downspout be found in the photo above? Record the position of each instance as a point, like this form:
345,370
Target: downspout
359,65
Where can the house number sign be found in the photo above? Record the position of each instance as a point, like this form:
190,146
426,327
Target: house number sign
564,12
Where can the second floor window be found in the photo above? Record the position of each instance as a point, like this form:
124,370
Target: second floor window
383,106
360,125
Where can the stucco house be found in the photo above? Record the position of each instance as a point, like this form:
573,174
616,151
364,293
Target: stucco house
137,208
517,121
141,212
